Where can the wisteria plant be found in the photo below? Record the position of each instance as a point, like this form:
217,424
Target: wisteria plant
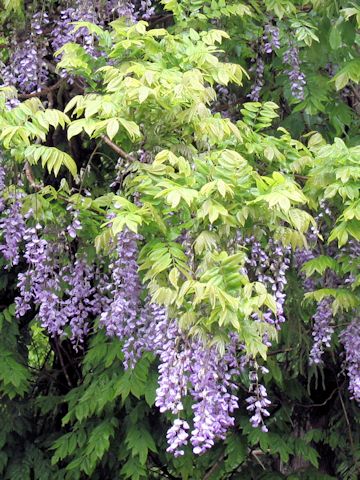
179,246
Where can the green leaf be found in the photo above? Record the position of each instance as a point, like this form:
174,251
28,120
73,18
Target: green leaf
131,128
320,264
112,128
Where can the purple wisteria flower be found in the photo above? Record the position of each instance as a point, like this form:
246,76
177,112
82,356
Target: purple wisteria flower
87,11
75,225
296,76
143,338
145,9
258,401
212,391
258,68
63,291
177,436
27,68
271,38
322,331
78,307
174,369
2,186
269,266
119,8
121,317
40,283
350,338
63,31
271,42
12,230
188,367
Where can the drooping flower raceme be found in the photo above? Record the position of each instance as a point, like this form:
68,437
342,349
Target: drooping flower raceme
175,365
187,366
322,330
2,186
350,338
296,76
258,401
119,8
63,291
144,9
98,13
40,283
12,230
212,390
63,32
121,317
78,307
143,338
258,68
27,69
177,436
271,38
271,42
269,266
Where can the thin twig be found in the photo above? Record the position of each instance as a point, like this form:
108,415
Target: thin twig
162,468
214,467
347,420
93,153
310,405
255,455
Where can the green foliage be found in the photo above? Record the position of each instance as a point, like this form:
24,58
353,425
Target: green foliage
14,376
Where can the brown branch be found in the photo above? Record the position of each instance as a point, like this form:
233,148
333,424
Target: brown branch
42,93
276,352
301,177
62,363
30,177
117,149
160,18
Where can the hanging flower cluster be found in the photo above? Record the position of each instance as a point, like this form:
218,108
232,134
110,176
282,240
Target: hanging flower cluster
296,76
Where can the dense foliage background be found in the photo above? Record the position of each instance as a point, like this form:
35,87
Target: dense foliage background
179,239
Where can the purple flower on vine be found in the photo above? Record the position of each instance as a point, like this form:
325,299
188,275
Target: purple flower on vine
350,338
322,331
271,38
12,230
296,76
258,69
177,436
258,401
121,317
